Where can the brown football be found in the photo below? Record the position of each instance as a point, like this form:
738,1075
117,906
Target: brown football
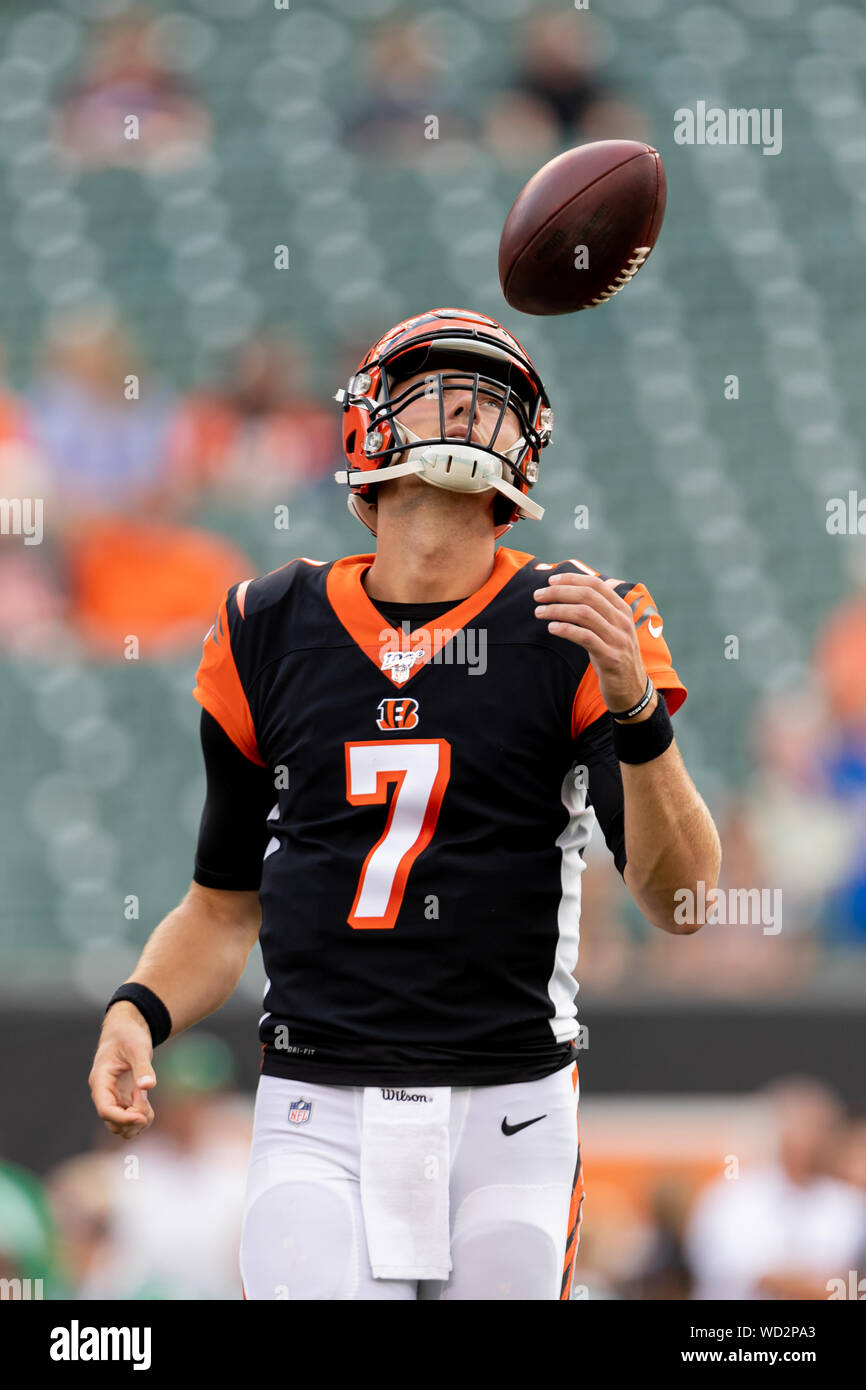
582,227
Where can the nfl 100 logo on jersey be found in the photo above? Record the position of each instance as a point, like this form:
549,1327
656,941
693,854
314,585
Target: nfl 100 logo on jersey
299,1111
400,663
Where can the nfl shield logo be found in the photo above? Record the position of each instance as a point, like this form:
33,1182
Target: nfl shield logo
299,1111
400,664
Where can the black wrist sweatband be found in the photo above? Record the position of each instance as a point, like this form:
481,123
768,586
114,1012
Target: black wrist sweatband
149,1005
640,743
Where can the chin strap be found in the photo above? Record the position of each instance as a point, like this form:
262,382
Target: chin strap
392,470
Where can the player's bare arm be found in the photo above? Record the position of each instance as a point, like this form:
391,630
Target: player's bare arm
671,840
192,962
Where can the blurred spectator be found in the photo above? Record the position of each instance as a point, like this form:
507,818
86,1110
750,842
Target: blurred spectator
851,1165
558,97
80,1193
126,75
851,1168
800,824
171,1224
156,582
260,434
103,429
840,662
662,1271
783,1229
29,582
27,1234
105,448
406,77
14,442
840,670
785,835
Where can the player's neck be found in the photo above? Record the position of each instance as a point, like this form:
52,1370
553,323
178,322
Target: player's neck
421,564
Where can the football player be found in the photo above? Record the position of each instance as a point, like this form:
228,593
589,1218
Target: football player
406,751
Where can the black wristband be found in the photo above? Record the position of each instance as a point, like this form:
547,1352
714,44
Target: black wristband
640,743
149,1005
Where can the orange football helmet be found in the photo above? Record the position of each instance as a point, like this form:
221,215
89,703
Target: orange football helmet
463,351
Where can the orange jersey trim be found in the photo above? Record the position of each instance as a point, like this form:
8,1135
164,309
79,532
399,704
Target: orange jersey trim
589,705
588,702
218,688
575,1214
374,634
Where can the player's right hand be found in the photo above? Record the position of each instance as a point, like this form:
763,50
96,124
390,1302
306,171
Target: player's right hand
122,1072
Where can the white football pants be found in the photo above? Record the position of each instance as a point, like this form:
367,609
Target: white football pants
515,1195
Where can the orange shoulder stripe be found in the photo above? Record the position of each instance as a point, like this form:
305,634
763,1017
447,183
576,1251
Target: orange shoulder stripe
218,688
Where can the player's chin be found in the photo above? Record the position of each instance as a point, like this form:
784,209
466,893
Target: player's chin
416,491
462,505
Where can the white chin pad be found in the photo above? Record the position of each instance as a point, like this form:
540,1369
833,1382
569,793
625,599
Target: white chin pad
460,467
454,465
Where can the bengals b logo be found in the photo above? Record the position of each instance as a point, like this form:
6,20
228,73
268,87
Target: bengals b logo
397,714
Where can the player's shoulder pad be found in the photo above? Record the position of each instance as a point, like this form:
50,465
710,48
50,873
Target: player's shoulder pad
255,596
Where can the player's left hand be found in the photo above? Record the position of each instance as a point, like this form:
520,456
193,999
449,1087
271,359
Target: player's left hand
585,609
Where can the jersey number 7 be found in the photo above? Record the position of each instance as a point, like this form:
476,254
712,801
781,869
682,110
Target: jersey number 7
419,768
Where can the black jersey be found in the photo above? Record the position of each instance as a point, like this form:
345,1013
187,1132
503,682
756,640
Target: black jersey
420,889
